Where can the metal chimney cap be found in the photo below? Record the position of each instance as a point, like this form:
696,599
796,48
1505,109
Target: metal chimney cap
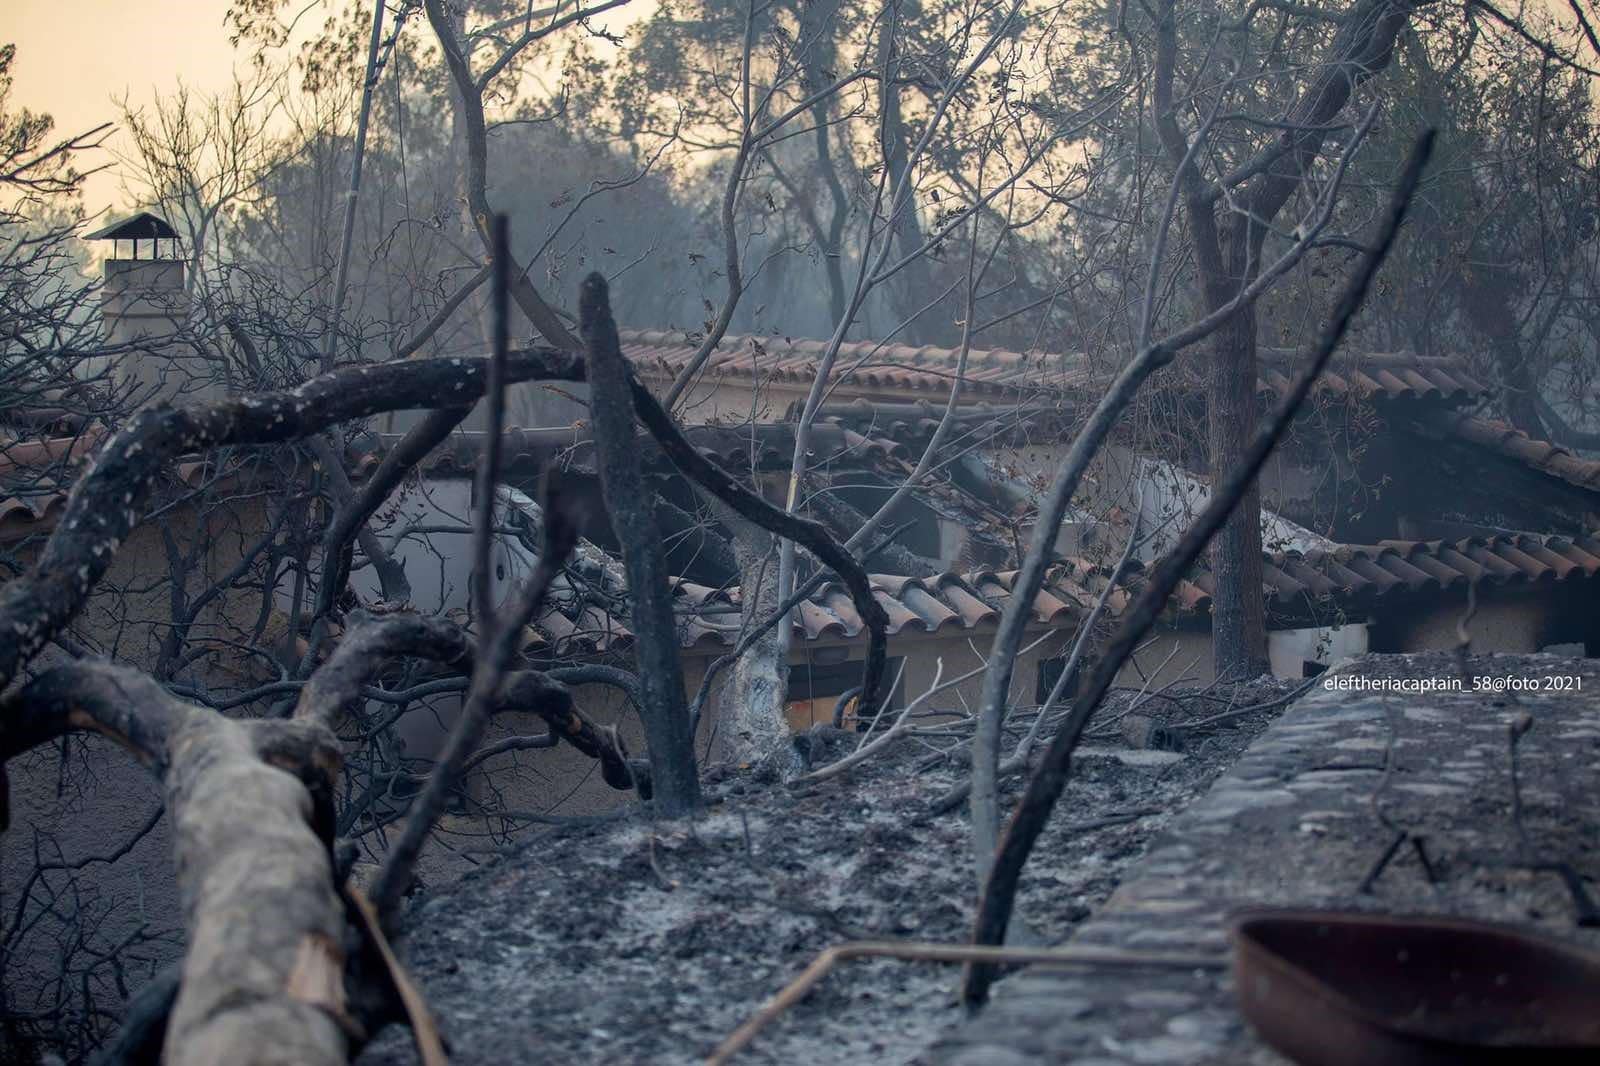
142,226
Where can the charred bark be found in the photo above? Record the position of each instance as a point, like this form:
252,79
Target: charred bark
818,55
105,502
665,710
698,537
1238,606
366,648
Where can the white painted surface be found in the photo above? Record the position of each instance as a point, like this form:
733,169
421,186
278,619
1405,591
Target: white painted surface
1290,649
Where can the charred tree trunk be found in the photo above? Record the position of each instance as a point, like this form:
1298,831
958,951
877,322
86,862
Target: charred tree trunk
1238,608
467,109
666,710
1230,220
819,54
1047,782
916,283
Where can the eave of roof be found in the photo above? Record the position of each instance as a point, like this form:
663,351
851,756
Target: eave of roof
873,368
141,225
1351,580
1511,443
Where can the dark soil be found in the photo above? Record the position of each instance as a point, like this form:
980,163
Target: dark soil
640,943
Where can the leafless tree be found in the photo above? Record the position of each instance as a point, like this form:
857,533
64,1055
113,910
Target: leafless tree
1127,181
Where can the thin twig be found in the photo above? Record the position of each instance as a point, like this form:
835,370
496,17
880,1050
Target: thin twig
912,951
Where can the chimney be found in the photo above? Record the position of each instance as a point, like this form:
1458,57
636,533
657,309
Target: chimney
144,306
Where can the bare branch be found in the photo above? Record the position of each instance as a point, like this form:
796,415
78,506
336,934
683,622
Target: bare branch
104,504
1044,788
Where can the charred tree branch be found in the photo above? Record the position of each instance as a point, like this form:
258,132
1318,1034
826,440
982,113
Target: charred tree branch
488,675
1045,786
104,505
666,717
810,535
412,449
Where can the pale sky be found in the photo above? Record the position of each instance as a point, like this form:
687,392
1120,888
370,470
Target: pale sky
74,56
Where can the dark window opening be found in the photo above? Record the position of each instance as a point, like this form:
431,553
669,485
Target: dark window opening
815,688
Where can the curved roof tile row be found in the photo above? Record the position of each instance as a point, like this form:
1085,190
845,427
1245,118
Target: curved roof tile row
991,371
1361,574
1515,445
946,603
1355,576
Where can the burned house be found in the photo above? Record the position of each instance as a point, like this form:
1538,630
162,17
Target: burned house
1373,540
1367,549
1395,501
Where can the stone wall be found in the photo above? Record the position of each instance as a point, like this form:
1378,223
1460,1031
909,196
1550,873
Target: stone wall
1294,824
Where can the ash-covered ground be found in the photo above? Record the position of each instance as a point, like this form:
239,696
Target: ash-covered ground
634,942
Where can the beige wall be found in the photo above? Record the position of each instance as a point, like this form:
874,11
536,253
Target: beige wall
1176,656
1507,624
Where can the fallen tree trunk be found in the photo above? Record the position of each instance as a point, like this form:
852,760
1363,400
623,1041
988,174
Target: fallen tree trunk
263,980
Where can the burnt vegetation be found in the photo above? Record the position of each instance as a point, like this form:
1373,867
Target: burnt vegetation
696,414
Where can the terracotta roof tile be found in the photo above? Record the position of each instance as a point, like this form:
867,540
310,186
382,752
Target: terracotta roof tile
24,514
1513,444
1584,551
934,614
1393,563
1522,558
1350,577
875,366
